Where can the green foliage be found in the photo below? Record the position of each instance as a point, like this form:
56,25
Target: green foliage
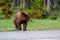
2,3
37,10
53,17
37,14
38,5
0,12
6,12
32,13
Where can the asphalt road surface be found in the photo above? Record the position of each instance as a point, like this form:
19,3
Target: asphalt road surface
30,35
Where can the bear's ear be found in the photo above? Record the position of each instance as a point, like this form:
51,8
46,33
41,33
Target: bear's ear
24,14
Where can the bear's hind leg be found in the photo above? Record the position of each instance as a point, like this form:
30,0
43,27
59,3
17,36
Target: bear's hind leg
20,27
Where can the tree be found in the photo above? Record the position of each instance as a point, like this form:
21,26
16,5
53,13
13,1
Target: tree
38,5
5,8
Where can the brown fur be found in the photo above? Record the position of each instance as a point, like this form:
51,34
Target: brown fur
21,18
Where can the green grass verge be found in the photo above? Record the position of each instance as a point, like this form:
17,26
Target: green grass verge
6,25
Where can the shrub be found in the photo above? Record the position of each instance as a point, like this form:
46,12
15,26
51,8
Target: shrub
7,14
37,14
53,17
0,12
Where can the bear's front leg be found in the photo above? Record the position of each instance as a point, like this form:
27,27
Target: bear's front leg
24,26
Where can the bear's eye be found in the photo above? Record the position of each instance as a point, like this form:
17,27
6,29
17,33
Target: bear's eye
28,17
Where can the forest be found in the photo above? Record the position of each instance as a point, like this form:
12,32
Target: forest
46,9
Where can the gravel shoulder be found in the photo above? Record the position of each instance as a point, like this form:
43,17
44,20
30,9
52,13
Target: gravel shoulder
30,35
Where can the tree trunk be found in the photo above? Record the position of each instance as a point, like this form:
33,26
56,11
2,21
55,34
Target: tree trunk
23,4
48,5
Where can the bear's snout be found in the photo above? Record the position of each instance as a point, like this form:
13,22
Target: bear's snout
30,19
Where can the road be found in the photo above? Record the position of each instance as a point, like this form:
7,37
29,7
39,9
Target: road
30,35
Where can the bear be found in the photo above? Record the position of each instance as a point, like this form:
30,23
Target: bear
20,18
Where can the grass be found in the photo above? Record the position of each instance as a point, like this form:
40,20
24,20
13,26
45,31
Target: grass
6,25
44,25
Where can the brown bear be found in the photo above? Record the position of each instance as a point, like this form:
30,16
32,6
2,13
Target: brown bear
21,17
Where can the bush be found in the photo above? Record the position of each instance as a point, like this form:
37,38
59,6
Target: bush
37,14
5,11
53,17
7,14
2,2
0,12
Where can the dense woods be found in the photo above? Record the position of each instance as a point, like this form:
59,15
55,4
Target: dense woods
38,9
